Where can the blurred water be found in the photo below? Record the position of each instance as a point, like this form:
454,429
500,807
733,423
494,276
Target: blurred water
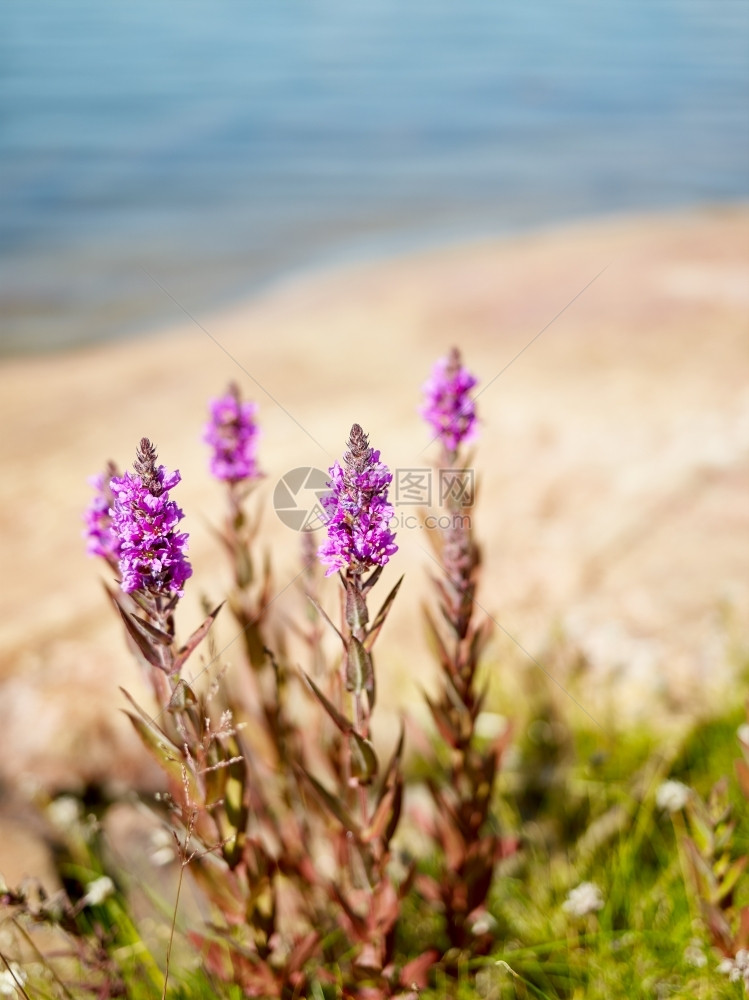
218,143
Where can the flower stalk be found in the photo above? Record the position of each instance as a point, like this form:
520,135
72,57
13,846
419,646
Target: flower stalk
463,823
365,811
232,434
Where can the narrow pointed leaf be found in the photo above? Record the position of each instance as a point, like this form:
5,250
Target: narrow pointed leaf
742,773
145,645
370,686
380,818
149,631
394,762
386,815
323,613
372,579
342,723
381,616
730,879
395,812
415,974
195,639
303,949
442,721
182,696
164,753
435,637
358,667
147,718
357,614
363,759
331,803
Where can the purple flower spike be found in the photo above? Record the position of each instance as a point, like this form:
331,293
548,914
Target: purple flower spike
233,435
100,539
144,521
357,509
447,405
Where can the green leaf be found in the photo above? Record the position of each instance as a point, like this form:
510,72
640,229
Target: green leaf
164,751
730,879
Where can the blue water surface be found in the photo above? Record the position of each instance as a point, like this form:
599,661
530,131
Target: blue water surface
216,144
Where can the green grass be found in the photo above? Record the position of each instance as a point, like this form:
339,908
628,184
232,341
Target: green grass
584,810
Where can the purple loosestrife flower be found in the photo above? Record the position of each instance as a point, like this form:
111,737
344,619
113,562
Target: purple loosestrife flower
447,405
233,433
100,539
144,520
357,510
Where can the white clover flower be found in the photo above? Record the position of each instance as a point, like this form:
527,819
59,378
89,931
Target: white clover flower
583,899
11,981
98,890
672,795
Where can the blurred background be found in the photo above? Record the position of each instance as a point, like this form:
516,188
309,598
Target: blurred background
217,146
194,192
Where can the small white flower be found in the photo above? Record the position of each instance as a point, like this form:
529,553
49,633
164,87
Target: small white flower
162,848
672,795
64,812
98,890
736,968
743,733
694,954
583,899
11,979
490,725
484,923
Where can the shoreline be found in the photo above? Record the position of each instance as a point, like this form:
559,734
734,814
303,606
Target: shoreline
362,251
612,459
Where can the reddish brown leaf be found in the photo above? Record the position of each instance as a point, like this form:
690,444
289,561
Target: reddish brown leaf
381,616
331,803
146,645
342,723
742,773
415,974
195,639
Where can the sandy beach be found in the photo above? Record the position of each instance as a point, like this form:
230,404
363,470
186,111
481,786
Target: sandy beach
613,466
